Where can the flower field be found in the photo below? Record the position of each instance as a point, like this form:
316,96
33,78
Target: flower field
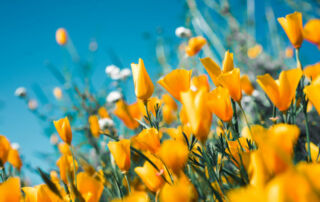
232,121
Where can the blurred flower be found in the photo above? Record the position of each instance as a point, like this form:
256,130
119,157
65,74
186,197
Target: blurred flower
64,129
121,153
134,196
231,81
147,140
113,96
89,187
246,84
314,151
64,148
113,72
61,36
169,109
125,73
311,31
10,190
15,145
105,123
254,51
32,104
94,125
292,25
176,81
142,83
183,32
66,167
282,91
195,44
21,92
220,104
227,63
4,149
200,81
93,46
40,193
289,52
128,113
14,159
54,139
57,92
312,93
312,71
197,113
103,113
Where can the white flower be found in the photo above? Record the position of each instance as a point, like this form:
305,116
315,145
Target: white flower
21,92
32,104
105,123
110,69
114,96
15,145
255,93
125,73
183,32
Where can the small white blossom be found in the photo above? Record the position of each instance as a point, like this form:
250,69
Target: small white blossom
114,96
255,93
21,92
32,104
125,73
15,145
183,32
106,123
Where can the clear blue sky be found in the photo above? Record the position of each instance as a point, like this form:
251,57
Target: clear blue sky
27,40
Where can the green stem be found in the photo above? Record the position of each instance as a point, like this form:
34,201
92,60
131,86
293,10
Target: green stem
126,177
245,117
307,134
298,59
235,117
147,111
74,165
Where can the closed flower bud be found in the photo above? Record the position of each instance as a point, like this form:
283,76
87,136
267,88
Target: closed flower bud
61,36
64,129
292,25
121,153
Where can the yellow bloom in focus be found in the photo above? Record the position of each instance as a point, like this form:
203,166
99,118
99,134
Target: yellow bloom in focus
94,125
282,91
4,149
57,92
312,93
176,81
311,31
10,190
231,81
64,129
312,71
174,154
220,104
65,164
314,150
150,176
142,83
89,187
198,82
197,113
254,51
147,140
103,113
128,113
134,196
292,25
121,153
227,63
195,44
14,159
246,84
61,36
181,191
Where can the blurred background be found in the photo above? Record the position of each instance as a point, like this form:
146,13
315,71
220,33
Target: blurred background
120,32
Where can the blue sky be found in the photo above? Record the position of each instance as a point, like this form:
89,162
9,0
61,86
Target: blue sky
27,41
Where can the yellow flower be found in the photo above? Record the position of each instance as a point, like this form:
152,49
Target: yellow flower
282,91
94,125
292,25
237,148
198,82
174,154
121,153
197,113
181,191
89,187
66,167
142,83
61,36
195,44
214,70
128,113
103,113
10,190
312,93
312,71
231,81
176,81
64,129
134,196
64,148
40,193
314,150
4,149
289,52
169,109
151,105
254,51
245,194
220,104
14,159
246,84
311,31
147,139
257,172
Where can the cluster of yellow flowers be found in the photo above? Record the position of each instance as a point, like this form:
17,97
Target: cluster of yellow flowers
175,155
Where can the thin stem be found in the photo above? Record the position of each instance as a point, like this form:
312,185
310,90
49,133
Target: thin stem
74,165
298,59
235,117
147,111
245,117
126,177
307,134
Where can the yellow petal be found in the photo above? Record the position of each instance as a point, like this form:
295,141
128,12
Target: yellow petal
195,44
88,185
220,104
212,68
270,87
312,93
231,81
311,31
227,64
121,153
292,25
10,190
64,129
246,84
